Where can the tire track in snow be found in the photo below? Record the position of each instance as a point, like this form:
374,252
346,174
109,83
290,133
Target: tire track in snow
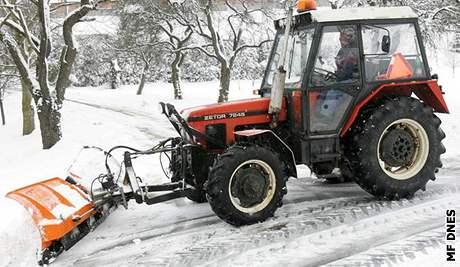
317,202
122,111
396,253
145,130
183,226
350,239
221,245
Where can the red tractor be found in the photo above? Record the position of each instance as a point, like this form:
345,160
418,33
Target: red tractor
345,91
357,98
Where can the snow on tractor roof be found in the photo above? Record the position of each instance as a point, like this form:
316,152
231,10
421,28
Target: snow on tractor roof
369,13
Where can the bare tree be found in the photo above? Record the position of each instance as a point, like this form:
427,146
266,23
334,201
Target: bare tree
6,78
147,26
216,44
175,46
178,36
2,111
225,50
7,75
147,58
28,111
48,100
137,37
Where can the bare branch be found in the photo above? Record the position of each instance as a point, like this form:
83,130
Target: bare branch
9,75
16,27
7,66
239,49
200,48
4,19
450,9
56,7
27,33
69,52
20,62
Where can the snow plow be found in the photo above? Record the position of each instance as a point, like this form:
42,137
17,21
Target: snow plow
346,92
61,211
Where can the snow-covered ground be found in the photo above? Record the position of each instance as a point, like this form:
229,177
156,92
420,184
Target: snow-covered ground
319,223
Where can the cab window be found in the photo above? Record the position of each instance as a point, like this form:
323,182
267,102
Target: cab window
298,49
392,52
338,57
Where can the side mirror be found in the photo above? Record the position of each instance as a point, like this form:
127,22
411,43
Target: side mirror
386,43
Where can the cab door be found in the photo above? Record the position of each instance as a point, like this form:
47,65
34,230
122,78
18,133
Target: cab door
335,78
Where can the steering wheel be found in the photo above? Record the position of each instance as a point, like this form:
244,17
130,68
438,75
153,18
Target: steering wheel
328,75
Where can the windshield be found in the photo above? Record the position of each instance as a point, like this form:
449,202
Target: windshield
296,57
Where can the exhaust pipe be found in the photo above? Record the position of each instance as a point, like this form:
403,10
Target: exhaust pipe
277,92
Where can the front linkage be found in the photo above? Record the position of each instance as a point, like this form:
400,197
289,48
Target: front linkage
184,180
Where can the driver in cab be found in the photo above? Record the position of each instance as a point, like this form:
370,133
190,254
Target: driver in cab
330,102
347,57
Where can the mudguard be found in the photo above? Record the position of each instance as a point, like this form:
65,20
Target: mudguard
427,91
280,146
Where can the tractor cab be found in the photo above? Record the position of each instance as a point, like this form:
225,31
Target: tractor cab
334,60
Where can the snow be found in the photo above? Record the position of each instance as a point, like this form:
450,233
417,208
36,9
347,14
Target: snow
105,118
93,25
74,197
19,238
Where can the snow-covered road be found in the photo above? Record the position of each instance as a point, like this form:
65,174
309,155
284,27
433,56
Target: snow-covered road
320,223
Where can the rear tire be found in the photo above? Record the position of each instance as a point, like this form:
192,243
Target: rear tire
246,184
395,148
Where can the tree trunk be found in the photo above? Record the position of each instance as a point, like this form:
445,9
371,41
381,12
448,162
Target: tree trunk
2,111
175,76
224,83
114,74
50,125
28,112
143,77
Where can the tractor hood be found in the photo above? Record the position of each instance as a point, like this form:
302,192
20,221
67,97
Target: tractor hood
221,120
228,110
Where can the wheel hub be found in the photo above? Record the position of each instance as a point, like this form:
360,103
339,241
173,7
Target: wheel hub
249,186
398,147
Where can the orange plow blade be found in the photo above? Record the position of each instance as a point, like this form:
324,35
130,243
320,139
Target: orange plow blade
61,211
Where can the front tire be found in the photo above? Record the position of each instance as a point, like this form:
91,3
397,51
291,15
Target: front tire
396,148
246,184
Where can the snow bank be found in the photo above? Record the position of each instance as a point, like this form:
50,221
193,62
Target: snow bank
19,237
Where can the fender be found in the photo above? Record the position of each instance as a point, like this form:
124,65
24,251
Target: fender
276,142
427,91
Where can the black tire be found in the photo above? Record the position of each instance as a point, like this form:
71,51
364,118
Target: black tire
198,196
220,179
346,175
373,159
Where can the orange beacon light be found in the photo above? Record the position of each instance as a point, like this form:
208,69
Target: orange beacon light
306,5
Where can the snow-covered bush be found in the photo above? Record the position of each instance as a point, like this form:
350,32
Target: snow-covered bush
93,63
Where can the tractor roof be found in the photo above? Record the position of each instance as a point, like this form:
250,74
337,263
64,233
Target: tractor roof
370,13
350,14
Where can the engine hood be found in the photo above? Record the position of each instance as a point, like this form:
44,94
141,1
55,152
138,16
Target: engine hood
228,110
